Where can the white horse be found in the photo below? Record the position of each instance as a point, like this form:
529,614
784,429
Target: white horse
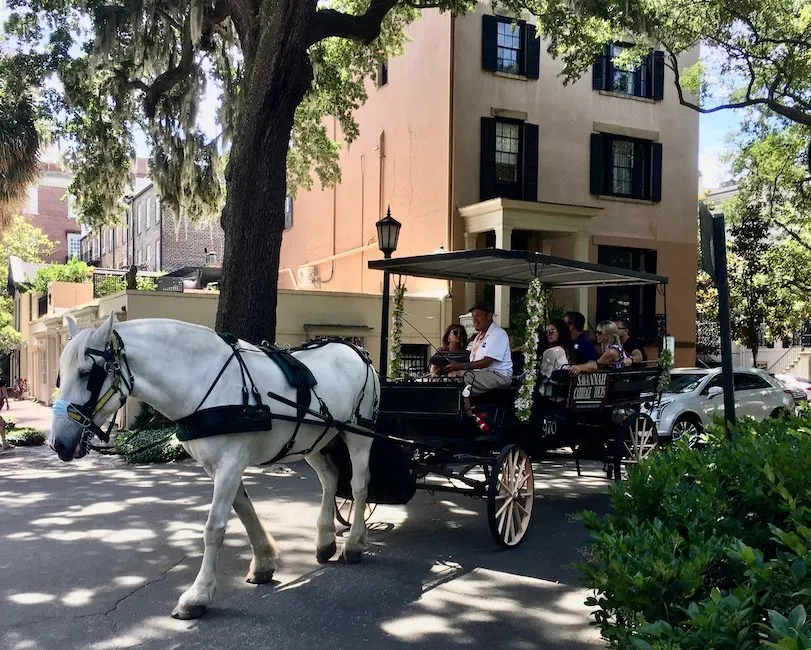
171,365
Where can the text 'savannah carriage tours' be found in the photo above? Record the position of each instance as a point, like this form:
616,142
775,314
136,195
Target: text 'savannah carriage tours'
237,404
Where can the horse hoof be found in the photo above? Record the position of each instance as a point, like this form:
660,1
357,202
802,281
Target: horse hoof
325,553
259,577
188,612
351,557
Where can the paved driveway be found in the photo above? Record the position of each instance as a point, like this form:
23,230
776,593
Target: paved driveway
94,554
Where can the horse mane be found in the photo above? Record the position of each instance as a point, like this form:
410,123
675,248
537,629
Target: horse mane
77,346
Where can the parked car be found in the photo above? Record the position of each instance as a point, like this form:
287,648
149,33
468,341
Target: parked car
696,396
799,386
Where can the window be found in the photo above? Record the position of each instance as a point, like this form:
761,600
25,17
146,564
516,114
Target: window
158,256
74,245
750,381
382,73
637,305
150,209
509,159
626,167
414,359
139,258
288,212
644,80
148,257
211,257
510,47
141,210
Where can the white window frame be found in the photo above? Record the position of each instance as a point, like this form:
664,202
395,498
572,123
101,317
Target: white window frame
157,256
75,245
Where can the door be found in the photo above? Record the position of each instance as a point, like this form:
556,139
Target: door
711,407
753,396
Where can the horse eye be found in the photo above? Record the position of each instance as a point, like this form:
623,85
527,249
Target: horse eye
84,374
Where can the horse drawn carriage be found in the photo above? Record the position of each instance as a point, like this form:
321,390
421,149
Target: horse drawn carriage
237,404
427,439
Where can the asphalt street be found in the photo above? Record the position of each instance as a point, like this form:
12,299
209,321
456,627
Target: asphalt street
95,553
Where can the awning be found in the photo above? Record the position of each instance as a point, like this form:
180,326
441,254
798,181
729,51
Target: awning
513,269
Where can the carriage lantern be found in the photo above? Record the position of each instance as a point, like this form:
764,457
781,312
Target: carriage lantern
388,232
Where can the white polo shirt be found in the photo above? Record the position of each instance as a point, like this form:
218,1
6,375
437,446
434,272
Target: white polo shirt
493,343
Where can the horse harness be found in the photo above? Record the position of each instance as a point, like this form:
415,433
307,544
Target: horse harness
216,420
111,361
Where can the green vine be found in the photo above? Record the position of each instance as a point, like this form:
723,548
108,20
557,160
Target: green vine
665,365
537,299
396,359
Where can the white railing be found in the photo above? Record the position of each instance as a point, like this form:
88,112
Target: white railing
786,359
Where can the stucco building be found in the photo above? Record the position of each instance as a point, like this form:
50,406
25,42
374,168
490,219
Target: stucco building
474,141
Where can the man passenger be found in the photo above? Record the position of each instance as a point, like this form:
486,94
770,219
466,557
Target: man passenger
490,355
633,347
585,355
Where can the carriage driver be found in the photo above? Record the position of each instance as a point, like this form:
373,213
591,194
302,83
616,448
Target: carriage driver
490,355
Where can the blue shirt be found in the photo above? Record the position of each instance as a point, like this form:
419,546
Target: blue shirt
584,351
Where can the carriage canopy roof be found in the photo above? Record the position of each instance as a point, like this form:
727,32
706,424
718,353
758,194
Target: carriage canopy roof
514,269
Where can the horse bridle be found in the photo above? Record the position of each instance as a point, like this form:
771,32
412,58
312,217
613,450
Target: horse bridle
112,361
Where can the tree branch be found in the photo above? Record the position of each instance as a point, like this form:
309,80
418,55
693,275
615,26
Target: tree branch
167,80
793,114
364,28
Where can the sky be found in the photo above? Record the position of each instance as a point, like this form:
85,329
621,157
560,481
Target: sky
713,130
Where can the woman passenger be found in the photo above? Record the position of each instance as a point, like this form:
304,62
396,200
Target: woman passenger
559,350
453,340
613,356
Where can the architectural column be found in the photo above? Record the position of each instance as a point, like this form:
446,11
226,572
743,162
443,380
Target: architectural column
582,244
470,287
502,306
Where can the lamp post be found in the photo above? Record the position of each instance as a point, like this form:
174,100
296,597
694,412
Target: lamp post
388,232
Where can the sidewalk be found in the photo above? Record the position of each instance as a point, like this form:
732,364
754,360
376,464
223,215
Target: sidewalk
28,413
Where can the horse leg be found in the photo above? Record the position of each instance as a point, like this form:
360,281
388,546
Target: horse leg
265,553
193,602
360,448
328,475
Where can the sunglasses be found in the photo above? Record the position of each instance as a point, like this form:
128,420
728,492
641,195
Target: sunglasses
598,332
551,332
457,332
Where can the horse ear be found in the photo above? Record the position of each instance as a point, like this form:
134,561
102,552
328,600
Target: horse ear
105,330
73,327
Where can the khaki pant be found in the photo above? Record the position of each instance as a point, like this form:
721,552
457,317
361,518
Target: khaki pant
484,380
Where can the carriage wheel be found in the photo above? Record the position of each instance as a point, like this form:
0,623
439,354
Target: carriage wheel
510,493
345,507
638,440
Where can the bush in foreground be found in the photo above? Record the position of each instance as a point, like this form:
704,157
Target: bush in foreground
711,548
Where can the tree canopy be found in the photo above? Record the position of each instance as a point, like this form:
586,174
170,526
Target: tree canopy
100,71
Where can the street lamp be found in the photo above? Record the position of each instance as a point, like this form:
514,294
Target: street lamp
388,232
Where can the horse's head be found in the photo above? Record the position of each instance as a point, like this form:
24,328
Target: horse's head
93,381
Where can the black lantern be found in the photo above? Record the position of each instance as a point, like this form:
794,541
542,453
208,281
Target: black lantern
388,232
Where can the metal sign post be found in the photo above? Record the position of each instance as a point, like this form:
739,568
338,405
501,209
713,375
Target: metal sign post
714,262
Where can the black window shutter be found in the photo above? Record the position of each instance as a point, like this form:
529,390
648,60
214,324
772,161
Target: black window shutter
658,76
599,72
597,170
489,42
529,173
487,160
656,171
532,53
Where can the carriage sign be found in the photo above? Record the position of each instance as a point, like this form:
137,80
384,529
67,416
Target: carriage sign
589,390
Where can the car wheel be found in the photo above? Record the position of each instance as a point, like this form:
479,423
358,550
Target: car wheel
687,426
779,413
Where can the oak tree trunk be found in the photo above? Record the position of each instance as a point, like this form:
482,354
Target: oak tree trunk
278,74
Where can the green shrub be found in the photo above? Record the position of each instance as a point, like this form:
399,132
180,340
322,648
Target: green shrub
25,437
710,548
149,418
150,446
73,271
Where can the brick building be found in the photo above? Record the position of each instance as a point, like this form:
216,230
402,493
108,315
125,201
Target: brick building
48,208
151,240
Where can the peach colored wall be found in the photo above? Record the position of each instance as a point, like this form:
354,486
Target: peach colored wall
566,116
413,112
64,295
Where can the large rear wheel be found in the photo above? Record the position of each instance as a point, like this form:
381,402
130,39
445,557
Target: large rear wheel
510,494
344,508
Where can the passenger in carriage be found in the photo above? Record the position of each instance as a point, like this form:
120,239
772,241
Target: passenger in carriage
453,340
490,356
633,347
613,356
584,355
559,350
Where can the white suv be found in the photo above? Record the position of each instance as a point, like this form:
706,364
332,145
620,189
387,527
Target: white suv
696,396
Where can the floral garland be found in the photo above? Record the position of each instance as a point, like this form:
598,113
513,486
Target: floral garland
537,298
665,364
396,358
